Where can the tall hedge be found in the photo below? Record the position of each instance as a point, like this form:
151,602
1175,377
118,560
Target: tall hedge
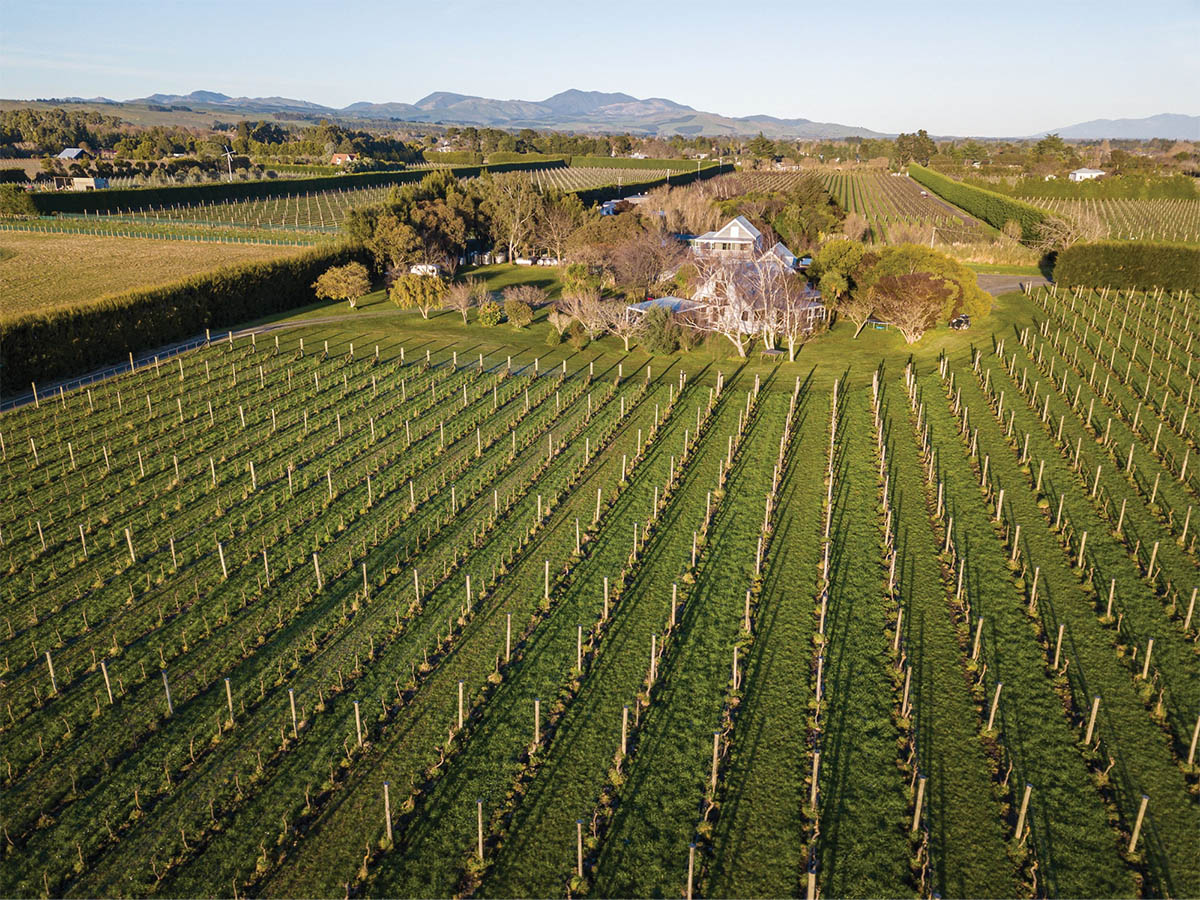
1130,264
50,202
508,156
621,162
452,157
993,208
613,192
73,341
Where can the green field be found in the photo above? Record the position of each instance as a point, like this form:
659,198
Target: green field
41,272
429,536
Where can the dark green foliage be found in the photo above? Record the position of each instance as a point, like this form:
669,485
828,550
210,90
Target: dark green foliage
453,157
72,341
993,208
16,201
618,162
660,333
612,192
577,336
489,314
1130,264
1110,187
217,192
509,156
919,147
518,313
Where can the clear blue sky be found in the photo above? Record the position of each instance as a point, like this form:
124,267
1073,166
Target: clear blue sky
954,68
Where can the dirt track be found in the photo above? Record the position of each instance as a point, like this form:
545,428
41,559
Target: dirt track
1003,284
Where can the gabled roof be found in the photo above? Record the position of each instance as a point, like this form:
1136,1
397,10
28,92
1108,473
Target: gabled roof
740,224
1086,171
72,153
786,256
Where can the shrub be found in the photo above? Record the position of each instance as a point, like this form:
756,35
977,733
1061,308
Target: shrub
1129,264
553,338
660,333
577,336
16,201
529,294
490,314
518,313
689,338
995,209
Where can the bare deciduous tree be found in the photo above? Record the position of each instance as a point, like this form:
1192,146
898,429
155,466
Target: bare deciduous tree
529,294
646,259
621,322
559,321
1057,233
796,316
586,307
558,220
912,303
462,295
730,306
857,306
855,226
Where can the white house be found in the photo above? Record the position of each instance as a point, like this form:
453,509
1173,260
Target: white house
431,269
1085,174
738,237
742,291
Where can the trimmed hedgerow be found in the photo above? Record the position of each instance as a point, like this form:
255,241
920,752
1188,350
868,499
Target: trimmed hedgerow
993,208
1130,264
77,339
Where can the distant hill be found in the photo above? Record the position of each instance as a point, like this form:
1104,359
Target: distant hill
571,110
1165,125
601,111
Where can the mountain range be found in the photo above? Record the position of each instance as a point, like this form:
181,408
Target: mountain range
570,110
598,111
1164,125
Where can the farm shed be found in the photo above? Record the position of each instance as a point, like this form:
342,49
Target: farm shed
74,153
73,183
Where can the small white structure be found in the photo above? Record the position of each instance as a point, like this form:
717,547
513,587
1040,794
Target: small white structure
426,269
676,305
1085,174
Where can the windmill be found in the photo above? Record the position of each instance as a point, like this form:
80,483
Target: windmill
229,160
